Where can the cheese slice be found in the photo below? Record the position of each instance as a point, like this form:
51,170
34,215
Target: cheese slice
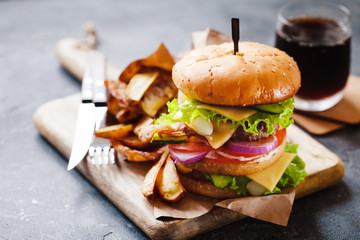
235,113
271,176
221,134
139,83
181,97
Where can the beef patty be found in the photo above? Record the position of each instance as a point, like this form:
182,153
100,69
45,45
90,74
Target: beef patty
241,135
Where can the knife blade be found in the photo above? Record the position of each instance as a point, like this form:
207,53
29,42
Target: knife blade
85,121
92,109
83,135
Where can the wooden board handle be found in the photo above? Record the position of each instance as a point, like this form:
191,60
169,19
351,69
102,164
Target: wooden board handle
73,56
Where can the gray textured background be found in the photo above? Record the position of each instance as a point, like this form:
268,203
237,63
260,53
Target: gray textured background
40,199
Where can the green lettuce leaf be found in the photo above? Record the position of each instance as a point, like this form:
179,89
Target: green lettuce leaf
283,119
293,175
291,148
184,112
295,172
275,190
188,110
239,183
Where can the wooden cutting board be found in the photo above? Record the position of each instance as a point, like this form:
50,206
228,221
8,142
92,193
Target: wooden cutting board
121,182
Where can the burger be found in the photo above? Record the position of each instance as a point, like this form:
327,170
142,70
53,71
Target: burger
227,129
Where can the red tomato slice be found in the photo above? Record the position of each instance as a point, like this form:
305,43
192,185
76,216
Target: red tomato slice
280,134
191,147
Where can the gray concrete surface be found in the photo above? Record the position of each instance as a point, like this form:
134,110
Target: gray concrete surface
40,199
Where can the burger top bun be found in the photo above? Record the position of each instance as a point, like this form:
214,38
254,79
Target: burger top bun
257,74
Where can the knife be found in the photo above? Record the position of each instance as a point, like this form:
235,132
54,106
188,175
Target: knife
93,94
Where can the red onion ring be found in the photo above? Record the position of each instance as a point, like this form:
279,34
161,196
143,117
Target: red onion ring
254,147
187,157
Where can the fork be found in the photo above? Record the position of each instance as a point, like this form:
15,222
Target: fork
100,150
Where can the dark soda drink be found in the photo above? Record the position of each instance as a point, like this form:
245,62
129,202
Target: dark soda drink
322,50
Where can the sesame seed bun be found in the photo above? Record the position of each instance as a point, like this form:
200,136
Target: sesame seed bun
258,74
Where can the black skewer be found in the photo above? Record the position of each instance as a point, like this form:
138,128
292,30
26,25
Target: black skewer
235,33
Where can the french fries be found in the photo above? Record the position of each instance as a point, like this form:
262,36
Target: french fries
115,132
168,183
150,178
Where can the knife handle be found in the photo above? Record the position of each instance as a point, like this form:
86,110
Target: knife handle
86,87
97,64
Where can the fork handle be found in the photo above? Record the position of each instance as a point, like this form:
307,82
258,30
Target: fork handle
99,97
97,64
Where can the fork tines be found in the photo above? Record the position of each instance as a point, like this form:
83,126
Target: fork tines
101,155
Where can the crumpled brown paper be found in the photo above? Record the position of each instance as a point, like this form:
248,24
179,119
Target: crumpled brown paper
190,206
127,102
317,125
346,112
208,37
161,59
274,208
271,208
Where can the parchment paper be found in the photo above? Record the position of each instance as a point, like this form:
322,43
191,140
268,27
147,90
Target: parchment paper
346,112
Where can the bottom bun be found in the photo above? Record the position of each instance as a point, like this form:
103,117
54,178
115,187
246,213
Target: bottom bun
206,188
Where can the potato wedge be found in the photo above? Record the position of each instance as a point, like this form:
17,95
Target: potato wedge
115,132
157,96
143,122
134,155
139,83
168,182
182,169
150,178
132,141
